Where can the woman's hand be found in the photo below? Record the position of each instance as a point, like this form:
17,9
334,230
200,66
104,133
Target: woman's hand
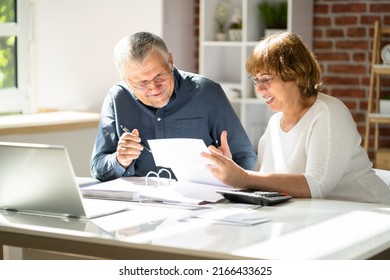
225,169
224,148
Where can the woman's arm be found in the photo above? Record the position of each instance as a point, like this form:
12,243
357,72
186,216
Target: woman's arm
228,172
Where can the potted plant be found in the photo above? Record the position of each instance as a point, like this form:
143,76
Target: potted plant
221,17
274,16
235,27
384,104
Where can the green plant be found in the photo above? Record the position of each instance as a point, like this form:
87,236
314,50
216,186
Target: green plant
221,14
274,15
386,97
7,46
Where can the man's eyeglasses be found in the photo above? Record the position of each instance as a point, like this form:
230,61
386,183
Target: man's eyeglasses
159,79
263,83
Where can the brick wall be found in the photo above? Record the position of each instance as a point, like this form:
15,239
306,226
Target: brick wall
343,33
196,31
342,42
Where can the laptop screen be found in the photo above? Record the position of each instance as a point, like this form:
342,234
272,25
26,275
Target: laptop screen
38,178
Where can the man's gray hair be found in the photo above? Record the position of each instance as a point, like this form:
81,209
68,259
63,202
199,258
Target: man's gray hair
136,47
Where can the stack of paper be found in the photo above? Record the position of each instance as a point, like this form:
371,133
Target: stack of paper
183,193
134,189
168,195
124,188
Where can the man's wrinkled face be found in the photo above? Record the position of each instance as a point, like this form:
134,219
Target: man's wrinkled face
152,80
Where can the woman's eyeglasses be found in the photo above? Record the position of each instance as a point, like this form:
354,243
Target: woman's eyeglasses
262,83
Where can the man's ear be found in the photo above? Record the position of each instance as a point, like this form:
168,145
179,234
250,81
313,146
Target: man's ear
171,61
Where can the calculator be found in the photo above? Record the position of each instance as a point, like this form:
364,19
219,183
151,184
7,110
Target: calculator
255,197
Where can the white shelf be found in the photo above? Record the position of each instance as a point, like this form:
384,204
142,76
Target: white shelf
376,114
224,61
377,117
382,66
381,69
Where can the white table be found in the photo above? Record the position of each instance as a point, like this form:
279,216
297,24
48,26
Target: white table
299,229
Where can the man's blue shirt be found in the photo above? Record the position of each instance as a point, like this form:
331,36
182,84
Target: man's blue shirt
198,108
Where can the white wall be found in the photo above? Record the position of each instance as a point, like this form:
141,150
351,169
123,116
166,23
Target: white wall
71,56
179,31
79,143
73,41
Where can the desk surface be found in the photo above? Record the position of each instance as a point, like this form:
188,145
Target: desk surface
299,229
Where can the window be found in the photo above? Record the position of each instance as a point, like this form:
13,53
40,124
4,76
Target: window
14,48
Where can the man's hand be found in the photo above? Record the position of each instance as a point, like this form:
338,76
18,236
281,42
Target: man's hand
129,148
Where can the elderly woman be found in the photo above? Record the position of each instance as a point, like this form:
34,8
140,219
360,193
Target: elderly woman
311,147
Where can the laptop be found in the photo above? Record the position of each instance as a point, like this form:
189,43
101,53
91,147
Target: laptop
83,225
39,179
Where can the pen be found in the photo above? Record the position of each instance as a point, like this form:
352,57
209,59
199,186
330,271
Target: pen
125,129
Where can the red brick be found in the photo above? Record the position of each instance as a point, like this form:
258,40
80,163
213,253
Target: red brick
322,45
350,92
349,8
348,69
321,9
350,104
331,33
356,32
360,117
357,45
379,8
363,106
337,80
369,19
346,20
322,21
362,130
317,33
359,57
332,56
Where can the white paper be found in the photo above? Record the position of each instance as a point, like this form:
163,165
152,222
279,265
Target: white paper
168,195
182,155
184,192
171,191
231,215
123,188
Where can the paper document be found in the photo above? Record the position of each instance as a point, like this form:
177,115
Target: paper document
123,188
194,185
182,155
234,216
184,193
141,189
167,194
